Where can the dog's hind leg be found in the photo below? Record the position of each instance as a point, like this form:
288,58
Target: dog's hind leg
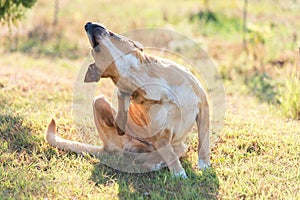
104,115
203,134
180,150
166,151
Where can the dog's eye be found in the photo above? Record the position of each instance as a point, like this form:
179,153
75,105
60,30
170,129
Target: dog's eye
110,33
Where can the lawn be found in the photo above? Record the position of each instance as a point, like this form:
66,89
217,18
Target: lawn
256,154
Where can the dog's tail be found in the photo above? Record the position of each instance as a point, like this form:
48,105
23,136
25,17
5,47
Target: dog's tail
69,145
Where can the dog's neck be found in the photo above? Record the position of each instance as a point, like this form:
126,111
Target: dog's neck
126,64
125,61
119,71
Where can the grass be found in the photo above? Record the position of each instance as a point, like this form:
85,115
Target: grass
289,95
252,159
263,87
257,153
255,157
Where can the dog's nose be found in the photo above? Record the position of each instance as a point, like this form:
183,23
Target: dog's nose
87,26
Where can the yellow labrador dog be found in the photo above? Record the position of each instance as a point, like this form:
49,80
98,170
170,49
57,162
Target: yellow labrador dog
158,103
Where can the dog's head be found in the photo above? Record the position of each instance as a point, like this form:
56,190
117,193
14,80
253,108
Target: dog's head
106,48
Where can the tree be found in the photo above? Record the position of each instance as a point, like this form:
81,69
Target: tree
245,24
56,11
13,10
206,3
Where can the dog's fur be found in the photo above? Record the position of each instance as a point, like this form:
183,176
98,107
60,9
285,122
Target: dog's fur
158,102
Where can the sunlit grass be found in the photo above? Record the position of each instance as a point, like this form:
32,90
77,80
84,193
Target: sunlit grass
289,95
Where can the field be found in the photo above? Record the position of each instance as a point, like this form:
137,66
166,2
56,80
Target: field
257,152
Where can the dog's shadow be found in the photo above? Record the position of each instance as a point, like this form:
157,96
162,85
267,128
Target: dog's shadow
157,185
16,134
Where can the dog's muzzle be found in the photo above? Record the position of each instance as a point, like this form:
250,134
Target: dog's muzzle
92,30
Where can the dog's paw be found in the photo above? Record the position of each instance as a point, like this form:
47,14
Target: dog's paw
203,165
180,174
159,166
120,128
120,124
120,131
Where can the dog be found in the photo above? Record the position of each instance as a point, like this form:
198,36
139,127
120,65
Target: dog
158,103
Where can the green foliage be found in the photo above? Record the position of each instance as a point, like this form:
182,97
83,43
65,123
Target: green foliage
208,16
285,96
257,34
216,22
289,96
13,10
42,40
57,46
263,86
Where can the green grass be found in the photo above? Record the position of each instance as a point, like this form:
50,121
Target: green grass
256,156
217,24
257,152
289,96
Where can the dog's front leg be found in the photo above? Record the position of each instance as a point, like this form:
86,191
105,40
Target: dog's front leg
123,105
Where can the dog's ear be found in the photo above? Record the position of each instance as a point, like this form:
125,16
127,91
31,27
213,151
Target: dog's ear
93,74
137,45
